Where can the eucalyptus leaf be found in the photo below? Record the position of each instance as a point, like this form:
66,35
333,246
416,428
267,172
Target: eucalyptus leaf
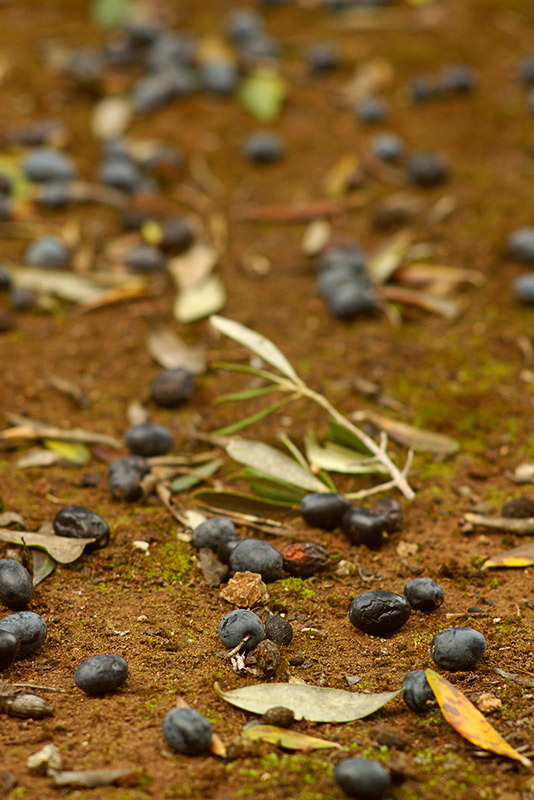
313,703
246,394
200,301
336,458
272,462
43,565
61,548
259,344
291,740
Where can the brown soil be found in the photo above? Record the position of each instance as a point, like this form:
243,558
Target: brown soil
466,379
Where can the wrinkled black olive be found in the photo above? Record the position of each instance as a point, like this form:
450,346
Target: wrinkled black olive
255,555
278,629
379,613
324,510
417,690
263,147
149,439
457,649
238,624
361,526
79,522
16,586
125,475
28,628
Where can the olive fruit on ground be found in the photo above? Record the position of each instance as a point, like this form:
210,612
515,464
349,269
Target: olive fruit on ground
16,586
5,280
46,164
278,629
387,146
170,48
457,649
79,522
389,508
362,778
243,24
523,289
424,594
362,526
372,109
47,251
187,731
125,475
305,558
22,298
9,648
457,79
28,628
225,548
322,57
176,235
521,244
263,147
144,258
149,439
519,507
427,169
324,510
379,613
53,194
237,624
348,256
526,70
351,299
213,532
120,173
422,89
417,691
255,555
172,387
101,674
219,77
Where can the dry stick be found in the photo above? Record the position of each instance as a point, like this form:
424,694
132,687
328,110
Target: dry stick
295,214
521,527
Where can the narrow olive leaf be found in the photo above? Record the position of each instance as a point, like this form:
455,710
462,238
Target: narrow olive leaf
520,526
171,352
272,489
381,267
25,428
238,502
291,740
74,452
336,458
72,286
416,438
441,306
234,427
272,462
342,436
111,117
522,556
61,548
200,301
256,342
246,394
307,702
430,273
196,476
467,720
262,94
43,565
37,457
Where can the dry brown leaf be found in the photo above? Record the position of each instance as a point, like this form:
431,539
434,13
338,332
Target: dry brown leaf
415,438
443,307
25,428
433,273
61,548
290,740
522,556
170,351
194,266
467,720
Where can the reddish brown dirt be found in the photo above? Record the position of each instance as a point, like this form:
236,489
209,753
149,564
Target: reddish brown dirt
466,379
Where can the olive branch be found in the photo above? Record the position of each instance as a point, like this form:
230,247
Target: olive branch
292,385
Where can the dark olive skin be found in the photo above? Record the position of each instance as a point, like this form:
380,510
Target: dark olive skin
28,628
9,648
255,555
424,594
278,629
125,476
361,526
324,510
101,674
187,731
79,522
417,692
16,586
362,778
379,613
213,532
457,649
172,387
238,624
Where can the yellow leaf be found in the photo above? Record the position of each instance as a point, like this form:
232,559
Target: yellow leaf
339,178
467,720
522,556
152,232
292,740
75,452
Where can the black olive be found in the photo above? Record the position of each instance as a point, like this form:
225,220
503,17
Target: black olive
457,649
424,594
79,522
379,613
324,510
361,526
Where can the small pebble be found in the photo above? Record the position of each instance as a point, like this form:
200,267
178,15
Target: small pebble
279,716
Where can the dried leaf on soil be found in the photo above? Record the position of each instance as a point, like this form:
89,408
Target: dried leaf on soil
291,740
195,476
238,502
88,778
74,452
194,266
61,548
336,458
467,720
26,428
43,565
200,301
111,117
262,94
313,703
74,287
416,438
522,556
37,457
443,307
272,462
171,352
519,526
256,342
382,266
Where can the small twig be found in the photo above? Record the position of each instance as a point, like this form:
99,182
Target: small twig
237,648
295,214
521,527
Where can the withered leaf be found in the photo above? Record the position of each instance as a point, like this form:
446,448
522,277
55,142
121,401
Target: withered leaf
200,300
291,740
522,556
61,548
409,436
171,352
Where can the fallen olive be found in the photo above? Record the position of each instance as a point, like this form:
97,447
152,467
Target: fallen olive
519,507
361,526
9,648
149,439
424,594
457,649
305,558
255,555
172,387
213,532
187,731
239,624
16,586
389,508
379,613
47,251
417,691
324,510
28,628
278,629
125,475
79,522
362,778
101,674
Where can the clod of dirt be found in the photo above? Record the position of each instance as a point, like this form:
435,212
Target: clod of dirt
48,757
246,590
213,571
265,658
278,629
387,737
379,613
304,559
16,587
488,703
101,674
278,715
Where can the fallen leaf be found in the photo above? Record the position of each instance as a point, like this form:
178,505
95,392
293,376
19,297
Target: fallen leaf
69,389
434,273
217,746
43,565
522,556
467,720
88,778
195,476
521,526
26,428
295,214
316,237
8,518
74,452
111,117
340,178
416,438
313,703
381,266
336,458
291,740
194,266
240,502
61,548
200,301
171,352
272,462
72,286
262,94
37,457
441,306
